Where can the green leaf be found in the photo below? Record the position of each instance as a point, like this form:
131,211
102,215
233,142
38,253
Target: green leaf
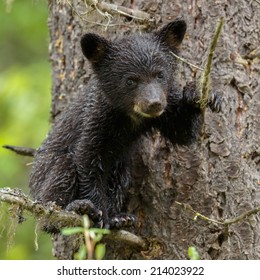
99,230
100,251
98,237
193,253
81,254
70,231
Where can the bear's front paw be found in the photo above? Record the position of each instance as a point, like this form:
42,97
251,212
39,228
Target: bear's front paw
85,206
123,220
192,95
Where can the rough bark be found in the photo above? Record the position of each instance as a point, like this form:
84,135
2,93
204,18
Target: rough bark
218,177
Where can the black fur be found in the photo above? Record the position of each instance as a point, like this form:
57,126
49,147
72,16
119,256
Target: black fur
83,165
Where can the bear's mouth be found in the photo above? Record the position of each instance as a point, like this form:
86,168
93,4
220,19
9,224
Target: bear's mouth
153,114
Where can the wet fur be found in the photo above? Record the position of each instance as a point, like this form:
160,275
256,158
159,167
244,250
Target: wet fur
84,163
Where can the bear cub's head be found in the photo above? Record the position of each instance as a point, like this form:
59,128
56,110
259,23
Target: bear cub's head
136,71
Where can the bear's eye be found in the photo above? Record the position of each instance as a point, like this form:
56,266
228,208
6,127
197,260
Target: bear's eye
131,83
160,75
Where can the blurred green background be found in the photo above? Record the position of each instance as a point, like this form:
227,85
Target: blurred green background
25,86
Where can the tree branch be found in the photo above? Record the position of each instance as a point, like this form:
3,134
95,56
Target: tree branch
23,151
60,218
120,10
56,216
129,238
109,9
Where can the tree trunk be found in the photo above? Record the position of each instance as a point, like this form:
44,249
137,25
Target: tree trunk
218,177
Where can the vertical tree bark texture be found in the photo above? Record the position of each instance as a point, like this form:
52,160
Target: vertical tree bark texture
219,177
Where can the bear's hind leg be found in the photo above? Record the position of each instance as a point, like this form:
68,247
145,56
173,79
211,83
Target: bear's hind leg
119,183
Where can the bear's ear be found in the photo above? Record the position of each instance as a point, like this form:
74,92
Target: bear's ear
173,33
94,47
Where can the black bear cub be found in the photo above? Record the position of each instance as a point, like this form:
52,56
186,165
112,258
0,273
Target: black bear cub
83,165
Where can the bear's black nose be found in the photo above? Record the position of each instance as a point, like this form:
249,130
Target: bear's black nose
154,107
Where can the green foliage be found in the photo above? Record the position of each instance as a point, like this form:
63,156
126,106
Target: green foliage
81,254
24,111
100,251
23,32
73,230
92,237
193,253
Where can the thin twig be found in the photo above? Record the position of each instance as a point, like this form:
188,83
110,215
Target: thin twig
186,62
242,217
205,79
205,76
226,222
197,214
